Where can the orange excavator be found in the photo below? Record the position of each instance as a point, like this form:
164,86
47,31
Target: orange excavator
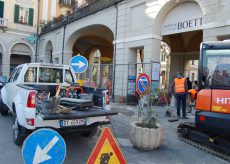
212,118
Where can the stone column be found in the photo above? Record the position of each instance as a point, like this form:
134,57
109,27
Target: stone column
151,53
152,50
121,73
6,64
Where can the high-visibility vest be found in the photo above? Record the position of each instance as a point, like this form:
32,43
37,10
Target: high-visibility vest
193,93
179,85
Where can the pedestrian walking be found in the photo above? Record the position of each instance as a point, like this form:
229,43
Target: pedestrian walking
180,89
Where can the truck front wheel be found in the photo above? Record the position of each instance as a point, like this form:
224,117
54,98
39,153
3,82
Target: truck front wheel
92,132
19,133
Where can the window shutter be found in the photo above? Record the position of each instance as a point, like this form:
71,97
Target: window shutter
31,17
16,14
1,9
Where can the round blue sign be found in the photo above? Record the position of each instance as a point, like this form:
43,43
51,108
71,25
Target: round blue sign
44,146
79,64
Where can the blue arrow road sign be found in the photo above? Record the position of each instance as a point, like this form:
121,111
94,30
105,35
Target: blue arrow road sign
44,146
79,64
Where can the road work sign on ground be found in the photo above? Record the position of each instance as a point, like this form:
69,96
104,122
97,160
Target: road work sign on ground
143,84
106,150
79,64
44,146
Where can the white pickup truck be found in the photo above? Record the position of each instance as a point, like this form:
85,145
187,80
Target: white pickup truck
20,96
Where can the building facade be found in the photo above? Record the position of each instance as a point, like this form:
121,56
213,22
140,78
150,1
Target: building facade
122,32
53,9
120,28
18,21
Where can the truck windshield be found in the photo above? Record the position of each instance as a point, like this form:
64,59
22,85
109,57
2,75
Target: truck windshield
50,75
215,71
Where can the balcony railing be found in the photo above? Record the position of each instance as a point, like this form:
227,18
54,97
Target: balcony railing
80,13
68,3
3,22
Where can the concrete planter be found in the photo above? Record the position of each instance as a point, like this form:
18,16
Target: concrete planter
145,138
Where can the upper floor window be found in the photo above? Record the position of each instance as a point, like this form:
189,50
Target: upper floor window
1,9
23,15
163,57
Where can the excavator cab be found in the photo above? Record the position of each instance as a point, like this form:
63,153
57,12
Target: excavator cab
213,100
212,117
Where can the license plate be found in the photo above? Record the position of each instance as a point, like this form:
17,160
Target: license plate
69,123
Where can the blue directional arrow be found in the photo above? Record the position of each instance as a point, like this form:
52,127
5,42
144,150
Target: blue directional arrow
79,64
44,146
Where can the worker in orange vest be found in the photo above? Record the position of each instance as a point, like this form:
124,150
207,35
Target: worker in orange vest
180,89
192,96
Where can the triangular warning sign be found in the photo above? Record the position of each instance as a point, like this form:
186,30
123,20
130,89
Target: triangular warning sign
106,150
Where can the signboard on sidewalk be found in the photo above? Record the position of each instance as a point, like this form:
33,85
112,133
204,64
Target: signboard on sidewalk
132,72
156,71
156,68
106,150
143,84
44,145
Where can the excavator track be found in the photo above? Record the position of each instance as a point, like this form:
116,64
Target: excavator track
183,134
206,148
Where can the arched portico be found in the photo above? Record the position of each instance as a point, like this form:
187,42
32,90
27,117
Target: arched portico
179,23
20,53
94,43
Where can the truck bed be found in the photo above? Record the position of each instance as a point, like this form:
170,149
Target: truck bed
75,114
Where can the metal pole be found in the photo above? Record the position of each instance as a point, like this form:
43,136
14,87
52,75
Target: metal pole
38,17
63,45
115,50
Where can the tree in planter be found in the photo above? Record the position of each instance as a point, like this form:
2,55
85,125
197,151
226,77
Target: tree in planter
146,134
150,120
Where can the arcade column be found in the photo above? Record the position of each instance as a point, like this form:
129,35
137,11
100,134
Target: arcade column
6,64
